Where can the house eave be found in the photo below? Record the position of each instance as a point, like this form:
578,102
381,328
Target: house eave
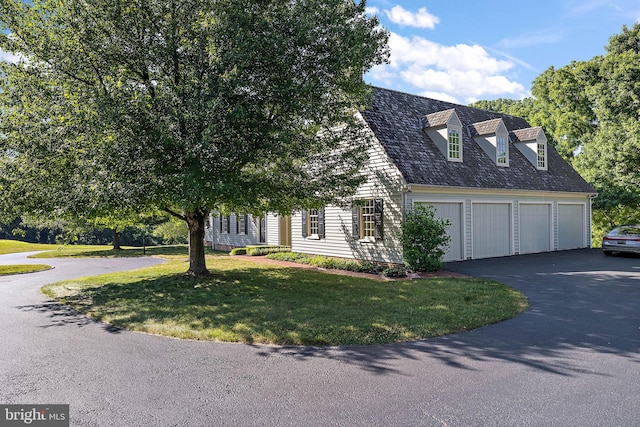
452,189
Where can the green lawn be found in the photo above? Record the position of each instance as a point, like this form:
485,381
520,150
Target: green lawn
6,270
83,251
13,246
252,302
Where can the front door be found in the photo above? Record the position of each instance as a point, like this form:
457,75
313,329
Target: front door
285,230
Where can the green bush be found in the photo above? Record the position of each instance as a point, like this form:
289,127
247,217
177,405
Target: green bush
266,249
238,251
424,239
398,271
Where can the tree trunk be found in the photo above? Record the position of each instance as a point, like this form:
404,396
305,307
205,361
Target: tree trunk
116,239
195,223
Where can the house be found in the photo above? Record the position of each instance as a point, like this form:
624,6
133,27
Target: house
504,189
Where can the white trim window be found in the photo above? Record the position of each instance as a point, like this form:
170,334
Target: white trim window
367,223
453,146
313,223
542,155
502,158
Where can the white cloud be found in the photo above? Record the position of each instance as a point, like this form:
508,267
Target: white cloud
421,19
441,96
463,72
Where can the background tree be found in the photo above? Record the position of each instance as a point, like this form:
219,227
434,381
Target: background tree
184,105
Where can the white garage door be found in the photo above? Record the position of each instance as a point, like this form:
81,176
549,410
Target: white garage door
535,228
453,213
491,229
570,226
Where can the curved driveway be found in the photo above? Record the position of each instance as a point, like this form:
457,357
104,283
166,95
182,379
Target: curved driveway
571,360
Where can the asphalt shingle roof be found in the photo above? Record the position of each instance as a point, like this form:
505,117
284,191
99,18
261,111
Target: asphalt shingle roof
397,119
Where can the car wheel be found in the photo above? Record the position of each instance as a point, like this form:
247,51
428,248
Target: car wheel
607,252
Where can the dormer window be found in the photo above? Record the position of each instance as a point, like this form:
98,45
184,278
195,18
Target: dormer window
492,136
445,130
532,142
542,155
454,145
501,150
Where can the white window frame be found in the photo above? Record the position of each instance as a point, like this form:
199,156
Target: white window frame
502,150
313,224
454,145
367,220
541,155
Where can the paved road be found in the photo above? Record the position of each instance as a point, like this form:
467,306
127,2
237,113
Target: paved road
573,359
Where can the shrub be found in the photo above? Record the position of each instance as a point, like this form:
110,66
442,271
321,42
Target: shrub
266,249
424,239
238,251
397,271
371,267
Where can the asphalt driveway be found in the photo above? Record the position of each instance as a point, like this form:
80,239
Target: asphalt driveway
573,359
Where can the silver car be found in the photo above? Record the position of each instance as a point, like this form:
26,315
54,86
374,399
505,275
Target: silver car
625,238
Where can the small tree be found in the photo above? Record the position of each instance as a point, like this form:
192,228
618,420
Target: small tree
424,239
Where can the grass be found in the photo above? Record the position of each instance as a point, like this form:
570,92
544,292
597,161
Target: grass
245,301
6,270
84,251
14,246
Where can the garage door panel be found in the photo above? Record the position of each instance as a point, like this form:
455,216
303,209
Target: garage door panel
491,229
535,228
453,213
570,226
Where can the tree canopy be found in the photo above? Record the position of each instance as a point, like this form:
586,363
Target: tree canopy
183,105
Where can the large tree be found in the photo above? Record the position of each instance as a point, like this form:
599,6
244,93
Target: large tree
184,105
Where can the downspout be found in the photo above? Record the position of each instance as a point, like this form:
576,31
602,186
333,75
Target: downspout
591,198
406,189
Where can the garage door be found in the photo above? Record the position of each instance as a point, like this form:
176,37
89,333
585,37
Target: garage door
570,226
535,228
453,213
491,229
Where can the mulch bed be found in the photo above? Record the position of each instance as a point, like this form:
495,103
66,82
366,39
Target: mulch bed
410,276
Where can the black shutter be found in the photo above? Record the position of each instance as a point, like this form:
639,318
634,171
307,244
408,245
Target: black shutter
377,216
321,223
304,223
245,221
355,221
228,219
237,223
220,219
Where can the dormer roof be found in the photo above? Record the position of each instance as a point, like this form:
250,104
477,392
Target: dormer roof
527,134
487,127
437,119
398,121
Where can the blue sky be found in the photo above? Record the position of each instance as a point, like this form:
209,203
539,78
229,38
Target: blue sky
465,50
